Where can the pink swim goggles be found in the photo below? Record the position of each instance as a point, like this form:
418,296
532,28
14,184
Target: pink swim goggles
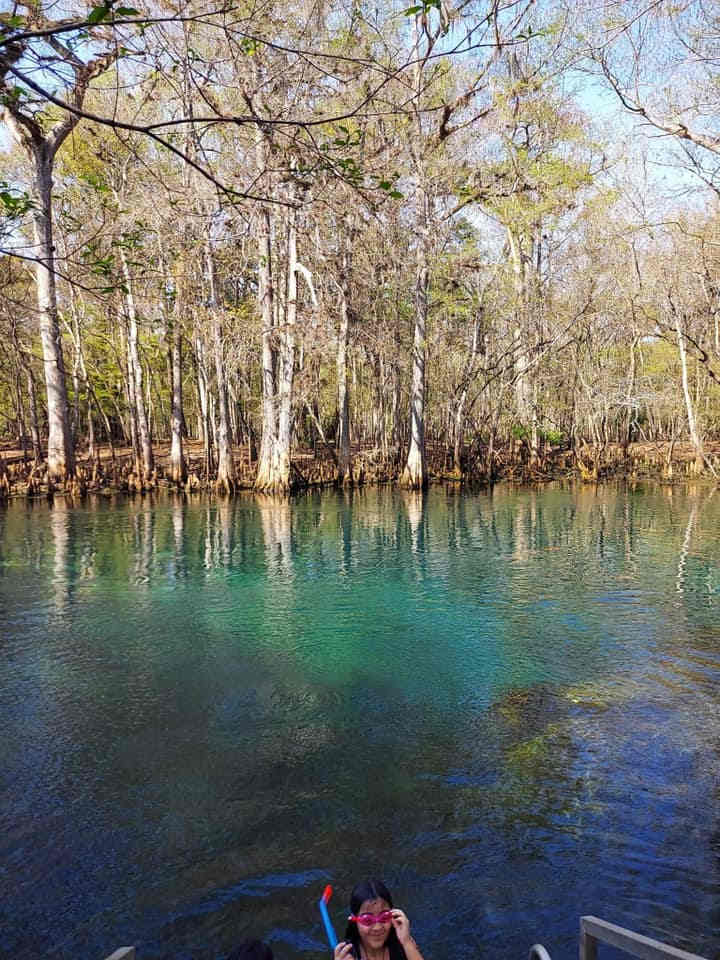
370,919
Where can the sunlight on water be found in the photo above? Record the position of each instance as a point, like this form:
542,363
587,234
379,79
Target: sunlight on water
506,704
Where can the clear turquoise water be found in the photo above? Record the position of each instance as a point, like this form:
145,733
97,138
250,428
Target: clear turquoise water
507,705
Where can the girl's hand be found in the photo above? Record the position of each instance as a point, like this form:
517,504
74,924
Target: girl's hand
402,926
343,951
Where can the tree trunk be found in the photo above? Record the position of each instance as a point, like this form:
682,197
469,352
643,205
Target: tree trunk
274,466
266,472
91,448
34,428
204,404
132,411
246,423
225,481
178,469
692,424
414,476
460,412
136,372
287,360
521,357
534,428
75,420
20,417
40,145
173,313
396,439
627,433
344,472
92,451
60,458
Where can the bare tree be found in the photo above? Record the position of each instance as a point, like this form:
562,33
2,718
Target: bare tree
40,142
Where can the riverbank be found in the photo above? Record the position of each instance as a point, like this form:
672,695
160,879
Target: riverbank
113,470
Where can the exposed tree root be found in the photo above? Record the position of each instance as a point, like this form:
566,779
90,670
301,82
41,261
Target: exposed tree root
667,462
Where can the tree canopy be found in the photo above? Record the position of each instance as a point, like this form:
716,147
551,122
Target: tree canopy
243,245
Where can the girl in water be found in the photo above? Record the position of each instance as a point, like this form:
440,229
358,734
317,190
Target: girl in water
376,930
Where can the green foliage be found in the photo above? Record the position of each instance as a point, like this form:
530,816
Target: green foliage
107,11
389,186
13,96
103,263
425,7
98,14
547,185
553,437
341,139
95,180
343,149
11,22
249,46
544,161
660,361
14,203
86,159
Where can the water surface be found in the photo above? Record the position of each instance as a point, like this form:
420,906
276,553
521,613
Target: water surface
507,705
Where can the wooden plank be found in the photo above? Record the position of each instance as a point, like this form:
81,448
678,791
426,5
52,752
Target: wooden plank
122,953
633,943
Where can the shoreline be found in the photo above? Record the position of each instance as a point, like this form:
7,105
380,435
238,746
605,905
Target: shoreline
111,472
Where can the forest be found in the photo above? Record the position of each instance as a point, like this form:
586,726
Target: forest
261,245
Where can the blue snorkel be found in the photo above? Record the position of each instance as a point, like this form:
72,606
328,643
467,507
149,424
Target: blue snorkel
329,929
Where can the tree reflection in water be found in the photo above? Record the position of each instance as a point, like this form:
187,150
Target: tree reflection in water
62,573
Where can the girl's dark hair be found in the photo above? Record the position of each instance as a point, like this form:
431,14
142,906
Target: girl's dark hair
251,950
372,890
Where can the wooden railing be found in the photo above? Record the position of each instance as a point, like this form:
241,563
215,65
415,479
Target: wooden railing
594,931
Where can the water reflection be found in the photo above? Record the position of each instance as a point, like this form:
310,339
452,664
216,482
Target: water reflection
62,573
680,582
414,503
210,557
177,568
226,527
143,530
506,703
276,520
345,541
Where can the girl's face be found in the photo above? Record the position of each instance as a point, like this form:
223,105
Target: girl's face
374,936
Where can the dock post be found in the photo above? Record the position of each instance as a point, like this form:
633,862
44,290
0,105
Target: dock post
588,943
